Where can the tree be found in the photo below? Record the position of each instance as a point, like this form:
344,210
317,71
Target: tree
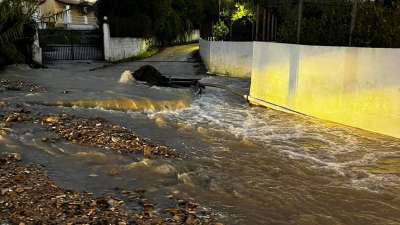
164,19
16,28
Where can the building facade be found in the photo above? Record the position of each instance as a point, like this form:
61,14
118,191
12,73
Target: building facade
68,14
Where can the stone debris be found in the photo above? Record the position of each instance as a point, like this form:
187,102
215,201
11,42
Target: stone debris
20,85
27,196
97,132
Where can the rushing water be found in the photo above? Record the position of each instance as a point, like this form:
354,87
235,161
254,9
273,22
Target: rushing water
251,165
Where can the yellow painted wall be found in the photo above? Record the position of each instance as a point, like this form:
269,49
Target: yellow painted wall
359,87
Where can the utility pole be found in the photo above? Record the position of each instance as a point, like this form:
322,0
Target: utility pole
299,19
353,21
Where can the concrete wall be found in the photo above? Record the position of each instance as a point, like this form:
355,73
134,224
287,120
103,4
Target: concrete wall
359,87
205,52
124,48
232,59
116,49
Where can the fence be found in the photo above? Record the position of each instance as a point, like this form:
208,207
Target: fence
59,44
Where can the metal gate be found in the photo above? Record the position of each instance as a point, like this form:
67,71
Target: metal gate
59,44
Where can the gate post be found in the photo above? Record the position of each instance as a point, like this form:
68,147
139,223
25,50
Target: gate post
37,50
106,38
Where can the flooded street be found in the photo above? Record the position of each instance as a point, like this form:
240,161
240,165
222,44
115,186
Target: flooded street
249,165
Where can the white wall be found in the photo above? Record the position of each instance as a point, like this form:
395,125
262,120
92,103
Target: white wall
205,52
116,49
232,59
123,48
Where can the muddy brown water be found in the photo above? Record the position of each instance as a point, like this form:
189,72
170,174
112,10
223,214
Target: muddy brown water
250,165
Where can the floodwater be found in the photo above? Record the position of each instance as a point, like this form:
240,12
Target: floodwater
250,165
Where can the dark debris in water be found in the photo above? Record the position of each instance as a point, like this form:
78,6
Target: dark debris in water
97,132
19,85
27,196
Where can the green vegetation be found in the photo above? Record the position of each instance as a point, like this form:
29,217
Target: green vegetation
164,19
376,23
16,30
329,22
220,30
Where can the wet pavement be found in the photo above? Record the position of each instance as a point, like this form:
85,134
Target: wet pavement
247,164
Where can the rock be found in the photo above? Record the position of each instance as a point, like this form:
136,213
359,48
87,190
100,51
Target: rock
15,156
186,179
166,169
19,178
12,118
4,191
113,204
3,133
19,190
114,172
147,151
191,219
51,119
180,217
148,209
150,75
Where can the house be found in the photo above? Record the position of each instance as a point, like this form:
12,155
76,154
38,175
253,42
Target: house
68,14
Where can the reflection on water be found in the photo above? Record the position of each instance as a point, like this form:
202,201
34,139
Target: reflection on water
252,165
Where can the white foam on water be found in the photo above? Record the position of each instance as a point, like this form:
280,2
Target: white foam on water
323,146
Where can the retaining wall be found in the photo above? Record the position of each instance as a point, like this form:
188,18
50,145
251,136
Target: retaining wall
359,87
232,59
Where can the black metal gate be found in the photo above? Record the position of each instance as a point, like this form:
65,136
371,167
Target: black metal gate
59,44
